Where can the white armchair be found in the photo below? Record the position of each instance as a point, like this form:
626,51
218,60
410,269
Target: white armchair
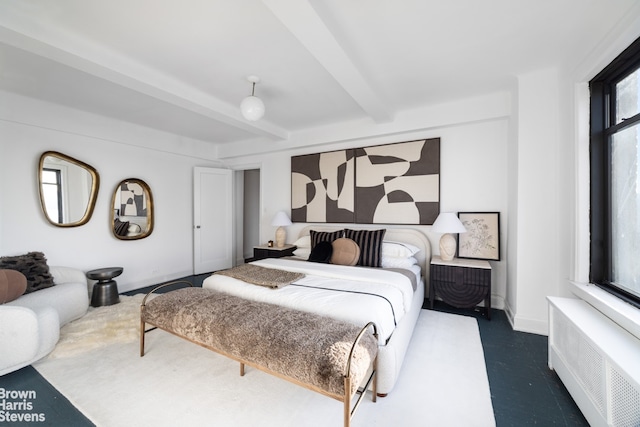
30,325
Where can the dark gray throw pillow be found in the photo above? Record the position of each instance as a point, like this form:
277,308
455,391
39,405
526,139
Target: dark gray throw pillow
370,243
120,227
324,236
34,267
321,252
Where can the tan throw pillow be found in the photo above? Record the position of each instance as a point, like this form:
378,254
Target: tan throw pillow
345,252
12,285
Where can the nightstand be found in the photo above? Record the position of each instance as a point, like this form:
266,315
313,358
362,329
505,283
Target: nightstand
462,283
264,251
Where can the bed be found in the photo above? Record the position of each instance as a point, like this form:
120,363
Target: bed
390,297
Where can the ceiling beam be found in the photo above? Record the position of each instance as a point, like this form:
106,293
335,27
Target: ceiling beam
141,79
303,22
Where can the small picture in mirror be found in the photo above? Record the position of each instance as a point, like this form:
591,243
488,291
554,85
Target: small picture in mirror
132,200
132,210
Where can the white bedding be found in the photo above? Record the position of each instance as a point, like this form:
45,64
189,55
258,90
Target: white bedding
354,294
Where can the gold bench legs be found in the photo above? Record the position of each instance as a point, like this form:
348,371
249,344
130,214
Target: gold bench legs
348,411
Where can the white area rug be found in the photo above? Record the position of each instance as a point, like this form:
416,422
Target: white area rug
100,327
443,383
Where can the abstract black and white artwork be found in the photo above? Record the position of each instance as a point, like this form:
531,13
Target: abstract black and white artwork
132,201
322,187
387,184
398,183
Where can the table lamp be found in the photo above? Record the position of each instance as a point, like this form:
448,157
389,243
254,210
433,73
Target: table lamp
448,223
281,220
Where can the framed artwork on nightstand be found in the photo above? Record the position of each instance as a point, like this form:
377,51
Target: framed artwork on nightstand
482,239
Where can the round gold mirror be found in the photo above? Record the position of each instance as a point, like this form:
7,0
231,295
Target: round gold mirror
132,210
68,189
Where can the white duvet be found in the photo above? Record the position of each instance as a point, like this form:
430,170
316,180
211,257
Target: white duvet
353,294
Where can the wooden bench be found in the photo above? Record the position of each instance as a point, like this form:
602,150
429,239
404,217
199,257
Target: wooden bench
325,355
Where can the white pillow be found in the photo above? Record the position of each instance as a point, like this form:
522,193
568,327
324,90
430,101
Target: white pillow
394,262
398,250
302,253
303,242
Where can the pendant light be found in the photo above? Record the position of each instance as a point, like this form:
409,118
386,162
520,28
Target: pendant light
252,107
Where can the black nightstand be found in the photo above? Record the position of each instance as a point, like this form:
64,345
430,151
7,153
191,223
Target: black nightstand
462,283
264,251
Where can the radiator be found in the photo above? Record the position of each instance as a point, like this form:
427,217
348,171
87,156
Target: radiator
598,362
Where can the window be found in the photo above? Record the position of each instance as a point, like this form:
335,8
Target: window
615,176
52,193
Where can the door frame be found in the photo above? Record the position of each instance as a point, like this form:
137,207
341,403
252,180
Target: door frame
238,239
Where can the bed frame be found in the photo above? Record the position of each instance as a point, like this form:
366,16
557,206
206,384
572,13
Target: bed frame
391,355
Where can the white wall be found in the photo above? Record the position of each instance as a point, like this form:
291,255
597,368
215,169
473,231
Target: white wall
538,185
575,282
473,178
549,250
118,151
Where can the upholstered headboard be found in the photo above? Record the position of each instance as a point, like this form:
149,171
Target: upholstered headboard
407,235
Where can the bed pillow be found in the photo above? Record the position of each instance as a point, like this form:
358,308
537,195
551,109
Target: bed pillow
34,266
12,285
302,253
394,262
345,252
398,250
303,243
370,243
303,247
324,236
321,252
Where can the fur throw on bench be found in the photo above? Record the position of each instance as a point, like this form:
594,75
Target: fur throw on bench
304,347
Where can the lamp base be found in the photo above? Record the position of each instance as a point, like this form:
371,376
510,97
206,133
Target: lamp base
447,247
281,236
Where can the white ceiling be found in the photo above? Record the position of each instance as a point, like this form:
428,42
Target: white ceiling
181,66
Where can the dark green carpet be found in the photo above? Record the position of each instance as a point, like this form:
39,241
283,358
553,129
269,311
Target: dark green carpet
524,391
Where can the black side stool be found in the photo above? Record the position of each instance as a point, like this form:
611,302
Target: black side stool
105,292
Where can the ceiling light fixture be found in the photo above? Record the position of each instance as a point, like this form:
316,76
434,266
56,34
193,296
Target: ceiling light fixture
252,107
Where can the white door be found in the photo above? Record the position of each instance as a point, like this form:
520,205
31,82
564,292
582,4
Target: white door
212,219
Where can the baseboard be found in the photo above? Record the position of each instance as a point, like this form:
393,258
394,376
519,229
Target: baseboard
497,302
524,324
533,326
125,287
509,312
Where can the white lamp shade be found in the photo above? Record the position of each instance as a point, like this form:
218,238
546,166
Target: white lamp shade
281,219
448,222
252,108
